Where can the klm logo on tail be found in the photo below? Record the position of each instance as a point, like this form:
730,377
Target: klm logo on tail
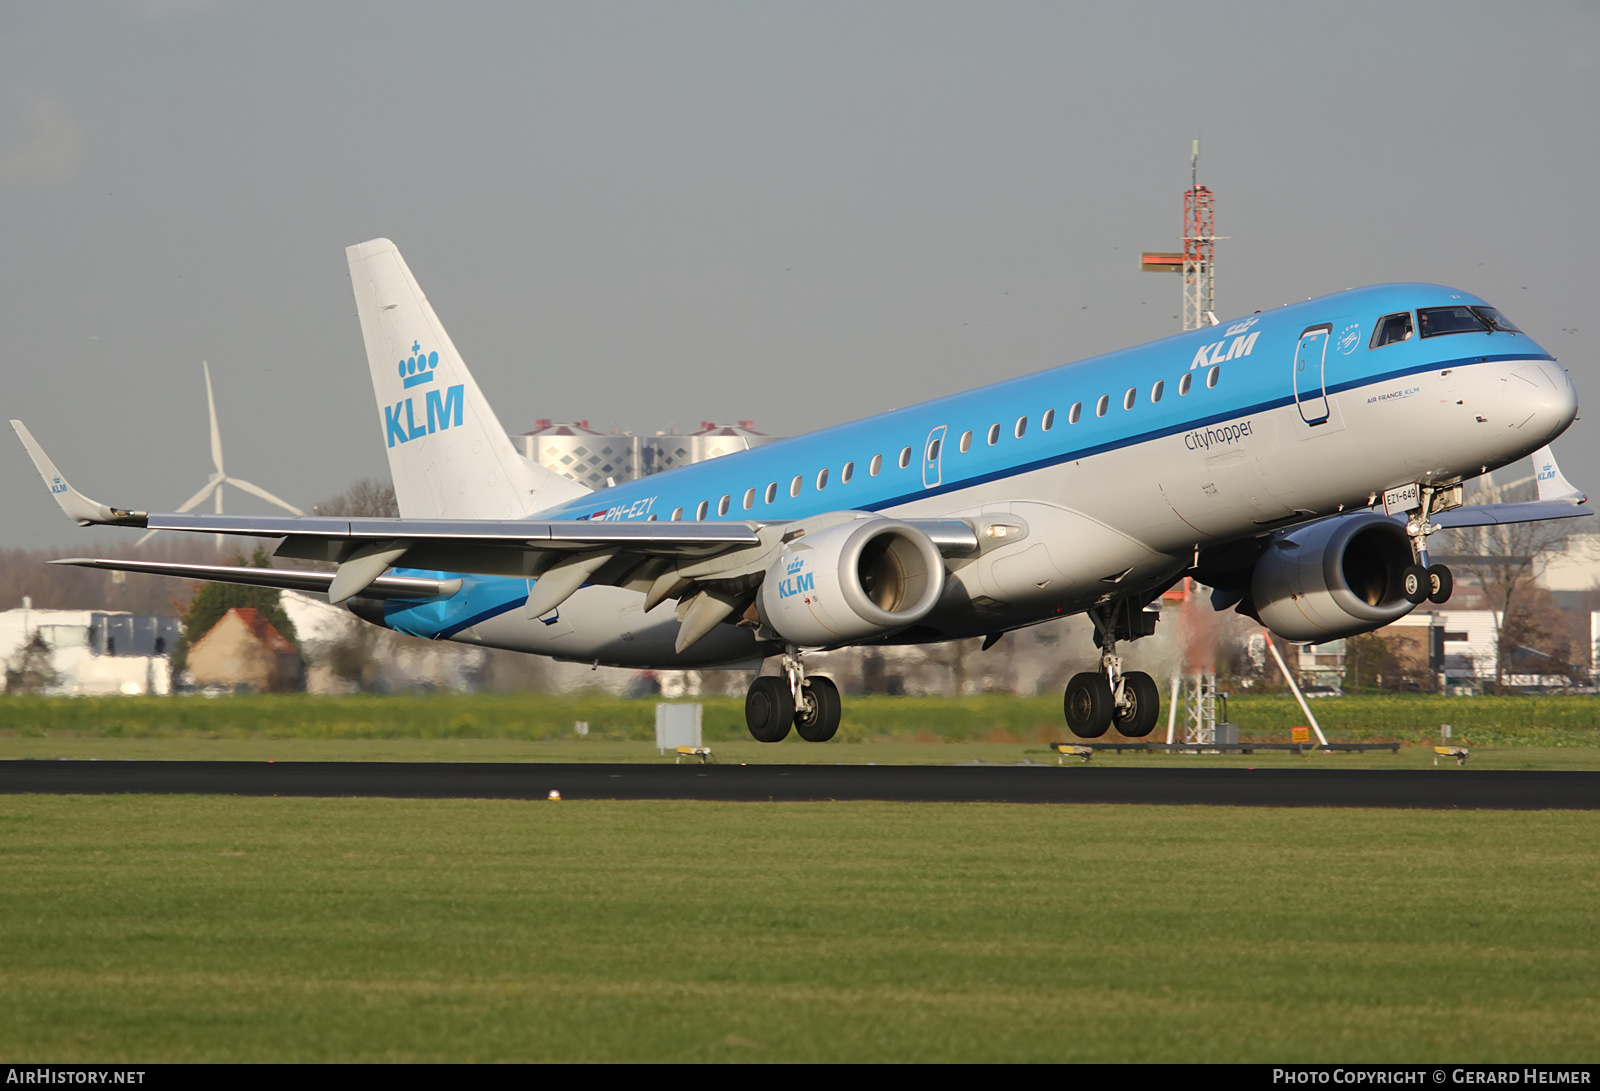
400,424
418,369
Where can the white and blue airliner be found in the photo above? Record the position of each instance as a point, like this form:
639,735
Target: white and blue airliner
1294,460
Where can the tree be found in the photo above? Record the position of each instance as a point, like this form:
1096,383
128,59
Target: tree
362,651
1390,659
35,671
1505,560
216,599
1369,663
369,498
1535,636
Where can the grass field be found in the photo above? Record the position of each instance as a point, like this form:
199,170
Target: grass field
75,747
1551,722
145,929
1503,733
149,929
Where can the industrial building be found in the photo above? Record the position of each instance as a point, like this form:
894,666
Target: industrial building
602,459
86,652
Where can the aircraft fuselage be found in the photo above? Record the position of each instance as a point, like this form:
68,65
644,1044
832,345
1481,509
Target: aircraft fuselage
1106,475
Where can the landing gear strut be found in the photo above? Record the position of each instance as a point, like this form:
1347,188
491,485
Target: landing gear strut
1421,581
1097,700
775,703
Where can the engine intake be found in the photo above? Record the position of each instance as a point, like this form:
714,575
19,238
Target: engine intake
1336,578
851,581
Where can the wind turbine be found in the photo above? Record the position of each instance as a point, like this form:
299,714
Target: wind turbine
220,477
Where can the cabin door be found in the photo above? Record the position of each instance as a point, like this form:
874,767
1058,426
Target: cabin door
1310,356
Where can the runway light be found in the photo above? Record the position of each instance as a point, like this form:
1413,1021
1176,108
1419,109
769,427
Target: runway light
555,796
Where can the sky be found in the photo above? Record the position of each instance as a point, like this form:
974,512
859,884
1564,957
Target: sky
647,215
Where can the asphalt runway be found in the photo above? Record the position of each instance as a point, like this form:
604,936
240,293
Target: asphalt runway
1444,787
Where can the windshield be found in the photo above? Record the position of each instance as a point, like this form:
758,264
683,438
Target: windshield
1437,321
1495,320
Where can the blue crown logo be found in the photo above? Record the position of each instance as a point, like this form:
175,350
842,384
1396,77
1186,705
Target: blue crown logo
796,565
419,368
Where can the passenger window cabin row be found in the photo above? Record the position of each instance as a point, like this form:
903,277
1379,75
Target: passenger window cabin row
847,472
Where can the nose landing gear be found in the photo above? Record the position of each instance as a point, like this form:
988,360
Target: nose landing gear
1421,581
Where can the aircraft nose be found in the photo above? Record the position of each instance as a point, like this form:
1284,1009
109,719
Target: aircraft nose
1543,396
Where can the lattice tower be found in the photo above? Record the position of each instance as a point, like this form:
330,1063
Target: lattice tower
1199,251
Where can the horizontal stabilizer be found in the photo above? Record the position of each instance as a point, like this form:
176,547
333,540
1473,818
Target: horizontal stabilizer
1489,515
288,579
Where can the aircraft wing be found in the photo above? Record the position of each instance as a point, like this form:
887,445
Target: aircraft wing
665,560
666,538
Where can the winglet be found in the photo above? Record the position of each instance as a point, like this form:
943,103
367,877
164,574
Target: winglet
79,508
1553,485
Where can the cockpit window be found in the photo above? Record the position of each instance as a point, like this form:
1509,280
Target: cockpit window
1438,321
1497,322
1392,328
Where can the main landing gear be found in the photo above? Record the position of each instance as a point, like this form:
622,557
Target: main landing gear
1097,700
1420,581
775,703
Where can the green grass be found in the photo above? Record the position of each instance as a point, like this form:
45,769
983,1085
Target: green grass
1503,733
882,751
148,929
1555,722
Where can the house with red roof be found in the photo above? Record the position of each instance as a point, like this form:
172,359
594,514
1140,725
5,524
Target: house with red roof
244,650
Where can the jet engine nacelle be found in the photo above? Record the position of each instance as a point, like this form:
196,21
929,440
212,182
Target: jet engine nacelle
851,581
1336,578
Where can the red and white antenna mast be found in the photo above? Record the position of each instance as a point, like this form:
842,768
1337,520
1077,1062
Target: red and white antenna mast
1197,261
1199,250
1197,627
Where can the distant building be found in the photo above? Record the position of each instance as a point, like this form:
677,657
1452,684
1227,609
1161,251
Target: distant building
600,459
667,450
1454,647
587,456
90,652
244,651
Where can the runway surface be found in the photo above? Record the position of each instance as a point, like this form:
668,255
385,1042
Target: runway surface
1444,787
